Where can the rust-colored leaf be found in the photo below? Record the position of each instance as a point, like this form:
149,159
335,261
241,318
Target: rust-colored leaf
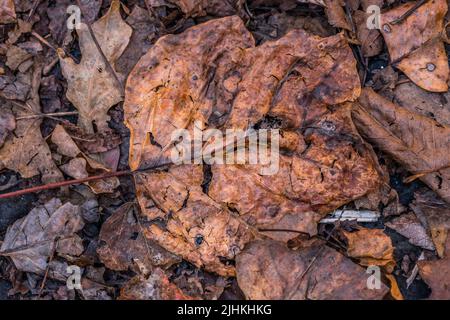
213,73
419,143
92,87
371,247
268,270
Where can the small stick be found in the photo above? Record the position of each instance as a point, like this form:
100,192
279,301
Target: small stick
55,114
64,183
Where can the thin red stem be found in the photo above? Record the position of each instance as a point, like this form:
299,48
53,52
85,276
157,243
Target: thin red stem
64,183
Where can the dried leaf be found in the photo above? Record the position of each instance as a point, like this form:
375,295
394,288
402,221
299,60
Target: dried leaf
144,30
30,241
370,39
419,143
155,287
410,227
415,45
395,290
174,84
122,242
16,56
91,87
268,270
372,247
435,216
429,104
83,164
26,151
7,123
336,14
436,274
7,11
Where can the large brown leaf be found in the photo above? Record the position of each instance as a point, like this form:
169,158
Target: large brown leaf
268,270
92,87
213,73
419,143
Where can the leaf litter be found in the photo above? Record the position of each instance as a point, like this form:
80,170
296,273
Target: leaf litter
363,116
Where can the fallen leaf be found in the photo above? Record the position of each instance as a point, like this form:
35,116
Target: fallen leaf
166,91
31,240
370,39
336,14
410,227
144,30
434,215
395,290
415,45
197,229
25,151
436,274
429,104
122,242
371,247
268,270
419,143
16,56
7,11
82,164
156,287
91,87
7,124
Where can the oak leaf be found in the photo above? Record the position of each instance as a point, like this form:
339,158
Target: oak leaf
92,87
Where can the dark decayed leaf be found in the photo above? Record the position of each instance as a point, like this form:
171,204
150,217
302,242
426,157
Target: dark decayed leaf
419,143
268,270
46,230
221,79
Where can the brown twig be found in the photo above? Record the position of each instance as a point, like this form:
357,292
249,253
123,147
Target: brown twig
64,184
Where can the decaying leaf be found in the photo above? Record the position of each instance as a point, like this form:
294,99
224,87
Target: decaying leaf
268,270
82,164
371,247
47,229
222,80
429,104
435,216
92,87
409,226
417,142
16,56
122,243
198,229
336,14
395,290
7,11
371,39
155,287
25,151
144,30
436,274
415,45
